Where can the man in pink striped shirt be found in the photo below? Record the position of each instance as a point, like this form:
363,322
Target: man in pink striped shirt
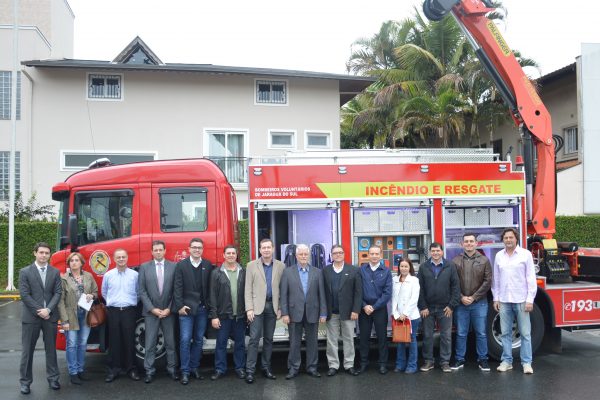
514,288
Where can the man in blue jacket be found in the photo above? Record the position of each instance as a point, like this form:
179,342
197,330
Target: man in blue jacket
440,294
377,292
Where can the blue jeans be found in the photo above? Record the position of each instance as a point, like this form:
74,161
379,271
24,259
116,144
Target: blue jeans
192,327
77,344
474,314
236,329
508,312
401,362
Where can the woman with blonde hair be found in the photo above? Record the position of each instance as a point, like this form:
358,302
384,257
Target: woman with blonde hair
75,283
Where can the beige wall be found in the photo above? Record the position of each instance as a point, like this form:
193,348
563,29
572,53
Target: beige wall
570,193
166,113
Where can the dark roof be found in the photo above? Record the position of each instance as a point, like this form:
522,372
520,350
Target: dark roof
555,75
349,85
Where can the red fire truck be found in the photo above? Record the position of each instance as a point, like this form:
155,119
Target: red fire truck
128,206
402,200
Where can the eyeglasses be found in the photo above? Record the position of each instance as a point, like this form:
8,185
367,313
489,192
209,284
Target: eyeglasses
337,253
196,247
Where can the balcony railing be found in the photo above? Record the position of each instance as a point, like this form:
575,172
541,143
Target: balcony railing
235,168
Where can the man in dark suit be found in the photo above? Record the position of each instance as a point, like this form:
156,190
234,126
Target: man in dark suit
343,292
190,295
156,293
303,306
40,290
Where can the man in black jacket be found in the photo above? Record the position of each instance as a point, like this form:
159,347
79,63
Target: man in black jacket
228,313
343,293
190,297
440,294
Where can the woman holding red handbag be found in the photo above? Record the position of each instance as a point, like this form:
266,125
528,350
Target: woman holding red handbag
404,306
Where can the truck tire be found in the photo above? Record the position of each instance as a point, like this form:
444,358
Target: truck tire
140,346
494,334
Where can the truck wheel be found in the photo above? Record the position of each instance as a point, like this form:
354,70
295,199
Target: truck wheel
494,333
140,346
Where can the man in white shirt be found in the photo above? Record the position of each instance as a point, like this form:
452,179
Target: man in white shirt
514,288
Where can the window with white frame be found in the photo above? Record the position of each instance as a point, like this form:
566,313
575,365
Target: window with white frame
281,139
5,171
73,160
227,148
243,213
318,140
271,92
6,95
571,142
105,87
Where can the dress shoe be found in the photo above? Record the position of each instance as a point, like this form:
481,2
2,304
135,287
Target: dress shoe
148,378
314,373
75,379
83,376
25,389
291,375
54,385
240,373
174,376
185,379
331,372
196,374
352,371
110,377
268,374
383,370
217,375
250,378
133,375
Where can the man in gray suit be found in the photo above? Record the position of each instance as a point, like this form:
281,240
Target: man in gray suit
303,306
156,279
263,276
40,290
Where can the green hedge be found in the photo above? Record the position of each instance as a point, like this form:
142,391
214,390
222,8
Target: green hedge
27,234
584,231
244,242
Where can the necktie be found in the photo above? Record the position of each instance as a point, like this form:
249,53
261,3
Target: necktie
161,277
43,275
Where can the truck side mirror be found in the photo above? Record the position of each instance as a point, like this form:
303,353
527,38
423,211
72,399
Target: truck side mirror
73,232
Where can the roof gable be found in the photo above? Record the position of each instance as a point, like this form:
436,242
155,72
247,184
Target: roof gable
137,52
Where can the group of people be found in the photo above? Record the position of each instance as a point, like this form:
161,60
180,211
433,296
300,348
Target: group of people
232,298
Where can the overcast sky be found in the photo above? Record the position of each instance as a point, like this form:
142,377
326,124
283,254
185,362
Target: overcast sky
311,35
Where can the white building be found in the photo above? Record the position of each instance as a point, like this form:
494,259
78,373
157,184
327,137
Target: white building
137,107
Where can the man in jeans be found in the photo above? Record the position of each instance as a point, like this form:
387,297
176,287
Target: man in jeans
514,288
190,296
440,294
475,276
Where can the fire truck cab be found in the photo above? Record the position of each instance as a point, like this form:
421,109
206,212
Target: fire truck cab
108,207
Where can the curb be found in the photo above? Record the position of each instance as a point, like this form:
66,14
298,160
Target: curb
10,297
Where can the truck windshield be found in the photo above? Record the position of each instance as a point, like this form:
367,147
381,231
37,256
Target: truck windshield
104,216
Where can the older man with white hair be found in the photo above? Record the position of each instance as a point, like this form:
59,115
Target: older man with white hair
303,306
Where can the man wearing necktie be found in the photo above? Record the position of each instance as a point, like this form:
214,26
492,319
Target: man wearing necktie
156,279
303,306
40,290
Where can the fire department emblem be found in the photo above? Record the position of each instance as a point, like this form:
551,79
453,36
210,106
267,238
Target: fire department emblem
99,261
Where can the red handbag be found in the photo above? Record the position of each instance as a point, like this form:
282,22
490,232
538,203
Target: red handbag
401,331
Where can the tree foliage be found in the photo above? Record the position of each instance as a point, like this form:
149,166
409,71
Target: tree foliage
431,90
29,210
